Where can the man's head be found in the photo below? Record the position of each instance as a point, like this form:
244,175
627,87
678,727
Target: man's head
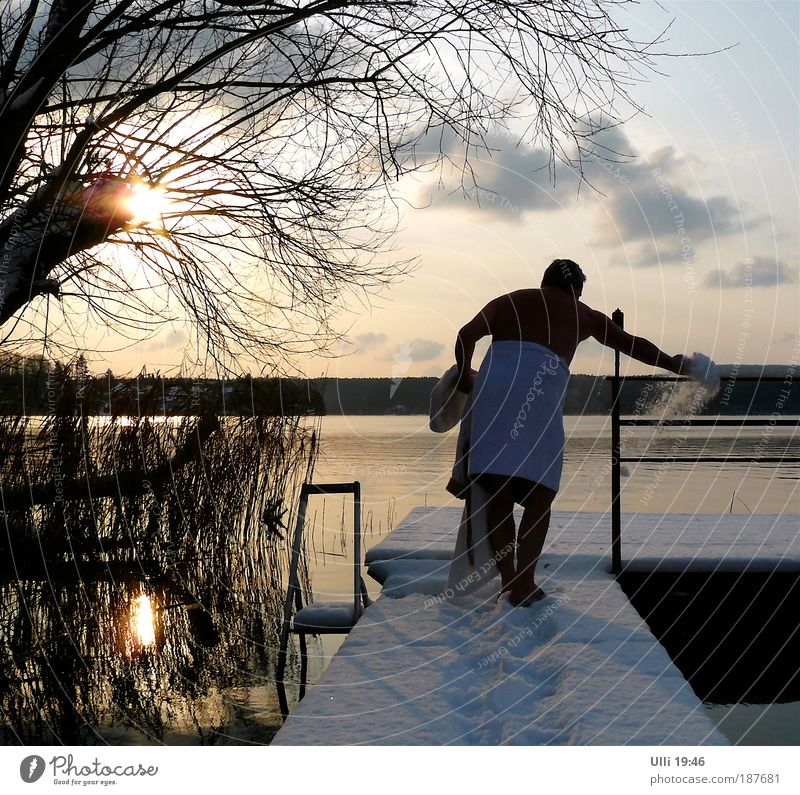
565,274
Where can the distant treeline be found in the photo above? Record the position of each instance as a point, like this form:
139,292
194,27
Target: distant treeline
586,394
33,388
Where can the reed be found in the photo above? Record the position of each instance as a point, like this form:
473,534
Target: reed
100,512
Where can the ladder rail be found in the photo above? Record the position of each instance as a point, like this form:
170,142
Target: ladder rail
294,593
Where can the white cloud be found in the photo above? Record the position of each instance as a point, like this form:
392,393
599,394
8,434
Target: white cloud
652,202
362,343
175,338
369,341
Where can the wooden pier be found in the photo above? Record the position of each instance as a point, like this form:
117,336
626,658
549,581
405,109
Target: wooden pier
428,665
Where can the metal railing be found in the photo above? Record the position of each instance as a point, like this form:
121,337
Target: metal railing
617,421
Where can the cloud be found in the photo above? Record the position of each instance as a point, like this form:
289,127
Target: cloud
362,343
650,201
755,272
509,182
369,341
658,222
418,350
401,355
173,339
425,350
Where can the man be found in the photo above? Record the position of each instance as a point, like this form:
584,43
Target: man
517,434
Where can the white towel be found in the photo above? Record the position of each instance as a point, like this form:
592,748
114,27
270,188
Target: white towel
473,561
447,403
516,414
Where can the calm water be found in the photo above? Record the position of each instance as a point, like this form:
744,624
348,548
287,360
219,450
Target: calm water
398,458
401,464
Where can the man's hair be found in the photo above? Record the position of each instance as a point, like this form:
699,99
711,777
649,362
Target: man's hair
563,273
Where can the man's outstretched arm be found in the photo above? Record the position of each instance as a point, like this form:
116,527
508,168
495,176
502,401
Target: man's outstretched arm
606,331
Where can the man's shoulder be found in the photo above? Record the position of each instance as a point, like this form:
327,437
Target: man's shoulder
588,311
590,319
522,294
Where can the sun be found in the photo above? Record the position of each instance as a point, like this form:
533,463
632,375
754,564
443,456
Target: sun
147,203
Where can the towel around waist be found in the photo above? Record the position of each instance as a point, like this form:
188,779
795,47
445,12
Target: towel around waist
517,427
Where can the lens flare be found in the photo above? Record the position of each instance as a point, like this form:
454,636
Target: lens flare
147,203
143,621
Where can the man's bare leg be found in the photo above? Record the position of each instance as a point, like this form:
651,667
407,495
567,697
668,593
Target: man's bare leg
533,529
500,516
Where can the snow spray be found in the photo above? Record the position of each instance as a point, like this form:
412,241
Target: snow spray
690,397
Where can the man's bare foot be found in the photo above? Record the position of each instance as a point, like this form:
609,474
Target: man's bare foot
504,588
525,597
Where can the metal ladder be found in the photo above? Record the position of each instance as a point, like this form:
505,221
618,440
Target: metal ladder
318,618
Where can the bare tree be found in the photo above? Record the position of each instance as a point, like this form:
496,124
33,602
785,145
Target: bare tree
264,140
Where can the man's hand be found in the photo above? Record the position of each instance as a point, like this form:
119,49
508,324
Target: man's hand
466,382
681,364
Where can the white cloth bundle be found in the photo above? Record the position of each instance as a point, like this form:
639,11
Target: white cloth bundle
447,403
473,561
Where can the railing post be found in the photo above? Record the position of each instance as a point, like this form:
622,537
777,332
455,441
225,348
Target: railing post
357,597
616,517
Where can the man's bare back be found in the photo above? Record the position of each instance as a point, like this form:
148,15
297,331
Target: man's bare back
557,319
547,316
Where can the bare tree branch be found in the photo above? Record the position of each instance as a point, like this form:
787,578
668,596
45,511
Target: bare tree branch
276,133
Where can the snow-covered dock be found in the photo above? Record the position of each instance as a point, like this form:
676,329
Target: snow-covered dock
427,665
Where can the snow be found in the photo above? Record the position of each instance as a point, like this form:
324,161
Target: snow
577,668
685,398
704,370
427,533
700,542
580,667
404,577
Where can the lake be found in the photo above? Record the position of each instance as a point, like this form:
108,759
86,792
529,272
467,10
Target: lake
207,663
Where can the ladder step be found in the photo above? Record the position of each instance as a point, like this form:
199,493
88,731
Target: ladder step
324,618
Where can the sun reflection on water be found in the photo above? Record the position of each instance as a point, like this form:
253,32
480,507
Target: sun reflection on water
143,621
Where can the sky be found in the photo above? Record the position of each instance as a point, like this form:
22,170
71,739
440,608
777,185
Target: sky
694,234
